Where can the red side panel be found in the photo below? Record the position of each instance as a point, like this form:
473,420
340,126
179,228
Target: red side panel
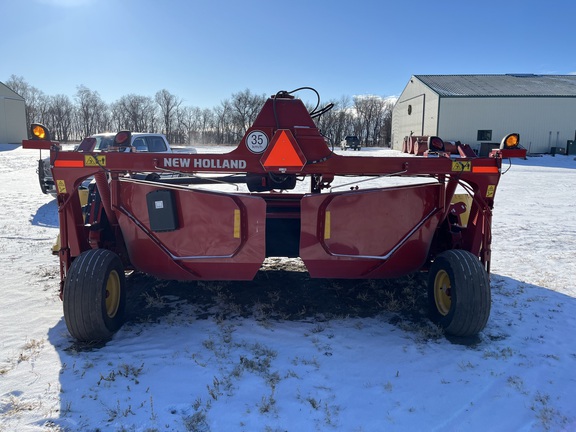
369,234
38,144
217,236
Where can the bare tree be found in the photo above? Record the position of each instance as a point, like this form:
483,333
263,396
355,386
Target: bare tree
183,126
385,131
207,125
169,105
135,113
223,116
199,124
61,113
245,106
338,122
371,112
369,117
92,111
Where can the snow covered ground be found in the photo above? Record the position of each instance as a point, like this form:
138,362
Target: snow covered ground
207,365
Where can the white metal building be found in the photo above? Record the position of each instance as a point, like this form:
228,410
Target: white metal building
476,109
12,117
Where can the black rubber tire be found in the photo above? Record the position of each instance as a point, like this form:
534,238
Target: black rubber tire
94,277
463,308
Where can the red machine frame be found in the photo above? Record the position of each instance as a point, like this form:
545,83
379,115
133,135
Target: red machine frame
168,228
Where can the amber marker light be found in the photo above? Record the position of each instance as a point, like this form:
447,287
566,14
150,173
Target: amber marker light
510,141
39,131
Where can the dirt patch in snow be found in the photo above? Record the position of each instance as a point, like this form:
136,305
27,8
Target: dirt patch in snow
281,290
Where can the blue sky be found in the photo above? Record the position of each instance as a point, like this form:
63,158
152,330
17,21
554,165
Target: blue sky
203,51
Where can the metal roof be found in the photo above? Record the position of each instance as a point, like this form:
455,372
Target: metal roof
515,85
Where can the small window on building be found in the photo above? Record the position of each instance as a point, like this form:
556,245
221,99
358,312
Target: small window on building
409,109
484,135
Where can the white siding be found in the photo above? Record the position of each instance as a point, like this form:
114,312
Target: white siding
2,121
542,122
12,121
420,119
12,117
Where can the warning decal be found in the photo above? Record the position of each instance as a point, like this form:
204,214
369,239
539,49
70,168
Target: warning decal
61,186
461,166
90,160
490,191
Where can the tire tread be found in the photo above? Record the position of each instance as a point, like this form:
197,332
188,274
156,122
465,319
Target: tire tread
471,297
84,291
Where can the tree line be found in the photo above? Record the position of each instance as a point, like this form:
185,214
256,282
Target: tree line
71,119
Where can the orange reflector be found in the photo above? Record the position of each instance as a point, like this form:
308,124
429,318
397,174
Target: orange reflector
283,153
485,169
327,226
236,223
68,163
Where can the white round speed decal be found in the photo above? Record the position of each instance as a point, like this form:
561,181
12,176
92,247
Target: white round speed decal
257,141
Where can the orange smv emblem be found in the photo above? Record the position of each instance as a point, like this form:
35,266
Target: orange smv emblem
283,153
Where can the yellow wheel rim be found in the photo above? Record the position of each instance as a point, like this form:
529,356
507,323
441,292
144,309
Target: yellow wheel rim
112,294
442,292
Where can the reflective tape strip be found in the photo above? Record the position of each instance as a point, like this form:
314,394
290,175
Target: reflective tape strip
327,226
68,163
236,223
485,169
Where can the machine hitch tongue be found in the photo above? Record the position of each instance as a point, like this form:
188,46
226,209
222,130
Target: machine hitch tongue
359,217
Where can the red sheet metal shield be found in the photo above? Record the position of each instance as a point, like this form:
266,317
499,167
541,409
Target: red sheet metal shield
283,153
215,236
371,233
